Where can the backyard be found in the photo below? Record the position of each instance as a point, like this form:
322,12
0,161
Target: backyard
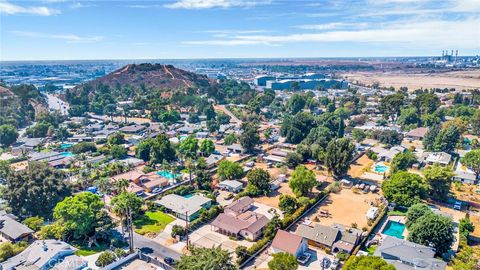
345,207
152,222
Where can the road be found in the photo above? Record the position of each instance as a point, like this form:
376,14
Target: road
154,249
56,104
233,119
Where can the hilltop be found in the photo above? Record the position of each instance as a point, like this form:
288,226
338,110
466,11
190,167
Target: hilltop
141,77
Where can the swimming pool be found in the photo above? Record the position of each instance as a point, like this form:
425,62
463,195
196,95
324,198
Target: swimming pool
168,175
67,154
66,145
187,196
394,229
381,168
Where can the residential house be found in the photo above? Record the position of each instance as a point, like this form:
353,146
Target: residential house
239,221
235,148
441,158
464,174
152,180
289,243
388,155
46,254
184,208
132,129
231,185
213,160
416,134
13,231
407,255
335,238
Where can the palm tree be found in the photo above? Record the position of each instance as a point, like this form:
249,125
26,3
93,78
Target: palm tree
121,185
103,185
190,165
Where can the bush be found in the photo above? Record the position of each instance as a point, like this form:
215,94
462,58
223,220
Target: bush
105,259
120,252
342,256
34,223
177,230
83,147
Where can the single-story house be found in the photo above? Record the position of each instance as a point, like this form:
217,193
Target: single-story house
334,238
440,158
289,243
417,133
46,254
388,155
408,256
152,180
231,185
238,220
184,208
235,148
213,160
132,129
14,231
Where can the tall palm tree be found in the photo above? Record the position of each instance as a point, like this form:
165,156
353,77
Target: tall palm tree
121,185
103,185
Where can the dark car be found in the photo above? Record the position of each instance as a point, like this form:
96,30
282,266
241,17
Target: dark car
326,263
169,261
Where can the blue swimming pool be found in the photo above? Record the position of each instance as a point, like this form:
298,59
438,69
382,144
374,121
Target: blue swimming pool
187,196
381,168
394,228
168,175
67,154
66,145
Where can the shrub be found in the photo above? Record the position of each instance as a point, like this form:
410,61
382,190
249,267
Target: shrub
105,259
120,252
34,223
177,230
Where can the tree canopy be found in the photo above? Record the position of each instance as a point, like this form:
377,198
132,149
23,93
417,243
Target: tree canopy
206,258
439,180
472,160
8,135
229,170
338,157
404,188
367,263
402,161
258,182
303,181
36,190
433,230
283,261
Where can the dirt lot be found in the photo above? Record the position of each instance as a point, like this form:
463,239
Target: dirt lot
345,208
274,197
359,166
457,79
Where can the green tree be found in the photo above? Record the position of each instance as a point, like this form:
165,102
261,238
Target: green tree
467,258
116,139
404,188
249,138
338,156
358,135
402,161
105,258
82,215
296,103
283,261
206,258
303,181
439,180
230,139
258,182
465,227
287,203
118,151
415,212
83,147
390,105
36,190
409,118
34,223
160,150
125,203
472,160
295,128
475,122
8,135
39,130
433,230
367,263
207,147
229,170
8,250
293,159
203,179
426,103
189,147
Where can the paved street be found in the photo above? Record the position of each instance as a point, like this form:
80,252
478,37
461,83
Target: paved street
153,248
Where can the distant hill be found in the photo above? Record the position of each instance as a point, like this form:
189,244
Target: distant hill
19,104
147,76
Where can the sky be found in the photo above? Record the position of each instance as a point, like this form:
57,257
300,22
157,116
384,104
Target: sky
171,29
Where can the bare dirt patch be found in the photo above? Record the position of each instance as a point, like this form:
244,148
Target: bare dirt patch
457,79
345,207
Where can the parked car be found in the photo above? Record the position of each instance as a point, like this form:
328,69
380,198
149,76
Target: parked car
458,205
335,263
326,262
157,190
228,196
169,261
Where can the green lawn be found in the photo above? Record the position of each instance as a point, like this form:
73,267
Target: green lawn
86,251
152,222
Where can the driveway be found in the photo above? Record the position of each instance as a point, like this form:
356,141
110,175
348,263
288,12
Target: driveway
154,248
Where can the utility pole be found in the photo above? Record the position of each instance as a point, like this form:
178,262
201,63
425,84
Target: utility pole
186,227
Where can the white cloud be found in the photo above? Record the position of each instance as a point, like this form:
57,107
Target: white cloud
69,38
417,34
333,25
77,5
205,4
12,9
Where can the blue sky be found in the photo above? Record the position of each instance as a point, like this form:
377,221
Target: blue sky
69,30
